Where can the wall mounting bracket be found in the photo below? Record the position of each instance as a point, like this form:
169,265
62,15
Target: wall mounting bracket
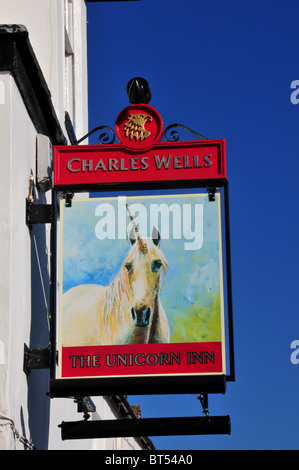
38,213
36,359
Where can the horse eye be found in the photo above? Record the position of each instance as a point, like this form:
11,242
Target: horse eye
128,266
156,265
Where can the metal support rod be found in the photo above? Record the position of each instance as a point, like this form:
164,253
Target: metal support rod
145,427
53,285
231,377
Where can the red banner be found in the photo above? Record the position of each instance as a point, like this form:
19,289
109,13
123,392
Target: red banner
142,359
114,163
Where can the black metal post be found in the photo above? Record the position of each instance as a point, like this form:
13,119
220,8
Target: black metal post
137,386
53,242
231,376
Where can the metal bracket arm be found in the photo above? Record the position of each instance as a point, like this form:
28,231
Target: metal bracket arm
85,406
203,398
146,426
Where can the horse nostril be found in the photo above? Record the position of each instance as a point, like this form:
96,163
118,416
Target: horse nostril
141,317
133,314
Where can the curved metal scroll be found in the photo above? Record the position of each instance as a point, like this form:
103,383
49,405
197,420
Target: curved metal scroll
104,137
174,135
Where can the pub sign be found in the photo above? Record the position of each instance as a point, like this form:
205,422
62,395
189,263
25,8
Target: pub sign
142,284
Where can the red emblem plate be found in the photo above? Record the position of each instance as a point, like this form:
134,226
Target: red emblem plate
138,127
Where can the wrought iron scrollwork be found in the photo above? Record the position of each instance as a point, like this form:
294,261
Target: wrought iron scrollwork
104,137
170,134
174,134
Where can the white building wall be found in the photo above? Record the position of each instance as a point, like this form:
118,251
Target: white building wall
5,253
17,160
49,23
27,415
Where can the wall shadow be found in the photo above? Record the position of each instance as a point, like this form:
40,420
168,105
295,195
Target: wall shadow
38,379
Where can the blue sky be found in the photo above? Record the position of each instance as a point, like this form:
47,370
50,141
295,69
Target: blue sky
225,69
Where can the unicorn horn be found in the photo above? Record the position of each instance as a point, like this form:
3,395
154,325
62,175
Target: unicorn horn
141,243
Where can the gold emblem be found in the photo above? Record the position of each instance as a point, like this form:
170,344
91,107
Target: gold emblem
134,127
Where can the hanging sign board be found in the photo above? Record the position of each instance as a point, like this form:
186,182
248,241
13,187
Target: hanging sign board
141,274
137,301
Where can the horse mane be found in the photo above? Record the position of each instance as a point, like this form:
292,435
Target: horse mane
117,296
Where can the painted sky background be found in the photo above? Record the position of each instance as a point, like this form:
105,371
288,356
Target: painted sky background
225,70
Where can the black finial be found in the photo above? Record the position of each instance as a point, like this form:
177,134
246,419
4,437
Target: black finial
138,91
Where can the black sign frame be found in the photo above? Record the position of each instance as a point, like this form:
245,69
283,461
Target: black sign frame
60,387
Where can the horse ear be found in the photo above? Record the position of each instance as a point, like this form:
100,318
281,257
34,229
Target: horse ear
132,236
156,236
